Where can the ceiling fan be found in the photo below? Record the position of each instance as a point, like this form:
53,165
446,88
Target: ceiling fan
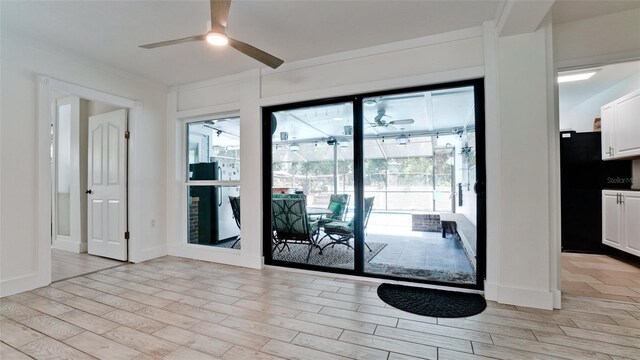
379,121
218,36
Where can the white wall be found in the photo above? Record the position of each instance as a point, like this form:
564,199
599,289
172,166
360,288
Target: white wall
524,253
580,118
446,57
22,61
597,40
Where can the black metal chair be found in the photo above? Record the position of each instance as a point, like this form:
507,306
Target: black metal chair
291,224
235,208
341,232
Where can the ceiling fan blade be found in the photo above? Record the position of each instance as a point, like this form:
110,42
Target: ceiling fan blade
219,15
173,42
401,122
265,58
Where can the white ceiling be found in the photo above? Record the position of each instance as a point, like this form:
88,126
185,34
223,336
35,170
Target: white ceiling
109,31
572,10
572,94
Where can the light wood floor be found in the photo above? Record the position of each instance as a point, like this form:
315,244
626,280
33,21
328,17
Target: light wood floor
174,308
601,277
67,264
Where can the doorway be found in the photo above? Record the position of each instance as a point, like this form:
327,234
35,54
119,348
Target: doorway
88,168
387,184
591,268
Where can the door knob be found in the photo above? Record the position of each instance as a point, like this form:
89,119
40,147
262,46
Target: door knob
89,191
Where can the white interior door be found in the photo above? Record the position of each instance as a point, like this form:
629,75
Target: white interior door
107,208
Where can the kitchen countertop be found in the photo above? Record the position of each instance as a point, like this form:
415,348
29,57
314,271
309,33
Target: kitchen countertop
622,189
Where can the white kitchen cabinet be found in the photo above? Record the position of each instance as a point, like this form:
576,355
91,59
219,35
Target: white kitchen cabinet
607,127
621,220
611,219
627,133
620,123
631,221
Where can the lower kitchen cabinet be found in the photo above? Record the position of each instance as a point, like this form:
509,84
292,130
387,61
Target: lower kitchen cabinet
621,220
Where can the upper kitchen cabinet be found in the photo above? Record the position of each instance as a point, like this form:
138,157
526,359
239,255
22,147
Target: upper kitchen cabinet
621,127
607,123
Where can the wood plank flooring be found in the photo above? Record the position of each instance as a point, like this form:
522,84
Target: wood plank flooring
174,308
67,264
601,277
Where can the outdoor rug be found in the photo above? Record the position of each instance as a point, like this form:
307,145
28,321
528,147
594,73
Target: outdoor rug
458,277
337,256
432,302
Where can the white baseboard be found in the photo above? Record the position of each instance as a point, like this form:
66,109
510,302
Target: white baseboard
538,299
20,284
213,254
68,245
557,299
150,253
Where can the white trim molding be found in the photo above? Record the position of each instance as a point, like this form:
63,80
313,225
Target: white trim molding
46,88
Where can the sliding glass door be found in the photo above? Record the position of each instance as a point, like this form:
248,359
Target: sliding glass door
388,184
312,185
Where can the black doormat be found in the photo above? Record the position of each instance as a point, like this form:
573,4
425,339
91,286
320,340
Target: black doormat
432,302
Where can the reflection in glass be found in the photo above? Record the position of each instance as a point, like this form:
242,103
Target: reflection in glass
63,168
213,150
313,186
211,219
419,165
213,156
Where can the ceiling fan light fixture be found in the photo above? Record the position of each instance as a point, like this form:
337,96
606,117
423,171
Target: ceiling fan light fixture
402,140
369,102
217,39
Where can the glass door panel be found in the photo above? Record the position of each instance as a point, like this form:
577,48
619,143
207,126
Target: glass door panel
418,154
313,186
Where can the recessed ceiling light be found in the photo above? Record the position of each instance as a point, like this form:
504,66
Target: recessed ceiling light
337,118
575,77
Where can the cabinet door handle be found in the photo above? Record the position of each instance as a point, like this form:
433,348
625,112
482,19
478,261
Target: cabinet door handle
617,198
621,199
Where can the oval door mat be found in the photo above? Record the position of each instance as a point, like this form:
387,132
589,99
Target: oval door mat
432,302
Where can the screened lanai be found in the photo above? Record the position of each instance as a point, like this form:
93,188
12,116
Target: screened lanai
418,170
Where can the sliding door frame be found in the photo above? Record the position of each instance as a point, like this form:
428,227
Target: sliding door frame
358,164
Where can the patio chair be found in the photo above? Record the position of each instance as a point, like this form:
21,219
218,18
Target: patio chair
339,204
341,232
291,224
235,208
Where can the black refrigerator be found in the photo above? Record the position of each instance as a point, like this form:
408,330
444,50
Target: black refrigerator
583,177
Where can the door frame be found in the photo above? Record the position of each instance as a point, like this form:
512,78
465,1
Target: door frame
48,90
358,270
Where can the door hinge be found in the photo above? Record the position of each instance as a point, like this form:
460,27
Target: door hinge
126,235
127,134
